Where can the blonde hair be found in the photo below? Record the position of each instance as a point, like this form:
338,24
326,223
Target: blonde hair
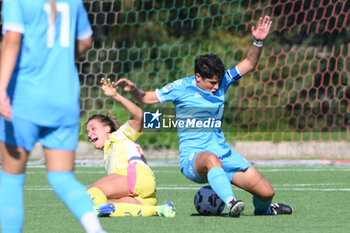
53,10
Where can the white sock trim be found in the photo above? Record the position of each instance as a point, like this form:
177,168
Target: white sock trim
91,223
229,200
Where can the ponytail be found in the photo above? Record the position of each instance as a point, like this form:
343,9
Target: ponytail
53,11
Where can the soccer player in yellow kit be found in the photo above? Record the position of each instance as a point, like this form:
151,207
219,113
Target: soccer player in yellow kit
129,189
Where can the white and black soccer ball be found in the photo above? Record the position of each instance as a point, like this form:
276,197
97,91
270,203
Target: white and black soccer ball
207,202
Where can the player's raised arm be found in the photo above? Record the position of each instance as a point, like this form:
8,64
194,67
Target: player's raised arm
141,96
259,33
136,118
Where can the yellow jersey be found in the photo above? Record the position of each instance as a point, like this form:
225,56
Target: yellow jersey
120,149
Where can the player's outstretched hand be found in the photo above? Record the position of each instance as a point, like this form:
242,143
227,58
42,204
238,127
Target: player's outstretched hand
125,84
108,88
263,28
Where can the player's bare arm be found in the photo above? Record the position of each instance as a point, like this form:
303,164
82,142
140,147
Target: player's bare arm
141,96
82,46
259,33
10,47
111,91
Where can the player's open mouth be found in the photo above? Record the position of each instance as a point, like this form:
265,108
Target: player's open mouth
93,139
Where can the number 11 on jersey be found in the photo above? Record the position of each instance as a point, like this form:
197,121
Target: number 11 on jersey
63,10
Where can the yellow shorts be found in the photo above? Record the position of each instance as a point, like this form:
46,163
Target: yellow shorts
141,182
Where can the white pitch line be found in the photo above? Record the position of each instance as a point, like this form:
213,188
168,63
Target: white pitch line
76,172
304,185
178,172
304,170
314,189
276,189
48,188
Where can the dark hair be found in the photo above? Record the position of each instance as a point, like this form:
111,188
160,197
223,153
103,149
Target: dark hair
208,66
106,120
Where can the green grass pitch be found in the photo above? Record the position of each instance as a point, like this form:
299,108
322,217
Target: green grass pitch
319,195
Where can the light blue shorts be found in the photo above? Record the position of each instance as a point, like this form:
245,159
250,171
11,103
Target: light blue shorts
25,134
232,162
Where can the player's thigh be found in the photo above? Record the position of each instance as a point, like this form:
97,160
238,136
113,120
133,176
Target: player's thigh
59,160
125,200
233,162
254,182
114,186
18,137
188,168
59,146
142,183
19,133
204,162
13,158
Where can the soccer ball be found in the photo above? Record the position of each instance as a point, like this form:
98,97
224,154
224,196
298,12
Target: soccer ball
207,202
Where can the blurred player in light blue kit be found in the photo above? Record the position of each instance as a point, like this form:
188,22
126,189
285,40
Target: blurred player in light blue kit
204,154
39,101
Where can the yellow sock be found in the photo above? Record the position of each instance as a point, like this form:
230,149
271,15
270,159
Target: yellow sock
97,196
129,209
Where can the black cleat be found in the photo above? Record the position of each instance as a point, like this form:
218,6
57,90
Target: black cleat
279,208
236,208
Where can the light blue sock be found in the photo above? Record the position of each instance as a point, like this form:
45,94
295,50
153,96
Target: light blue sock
220,183
262,207
11,202
71,192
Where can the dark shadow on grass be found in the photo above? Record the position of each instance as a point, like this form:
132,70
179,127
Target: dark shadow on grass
223,215
200,215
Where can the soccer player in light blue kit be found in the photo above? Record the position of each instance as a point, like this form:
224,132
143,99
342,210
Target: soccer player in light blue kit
204,154
39,101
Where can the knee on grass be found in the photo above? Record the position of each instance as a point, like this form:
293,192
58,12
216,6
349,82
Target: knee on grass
97,196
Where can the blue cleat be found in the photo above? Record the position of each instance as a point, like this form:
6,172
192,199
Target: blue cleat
104,210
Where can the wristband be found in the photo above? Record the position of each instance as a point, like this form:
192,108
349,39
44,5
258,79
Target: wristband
258,43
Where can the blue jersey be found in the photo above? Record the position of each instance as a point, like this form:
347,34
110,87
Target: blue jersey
44,87
202,132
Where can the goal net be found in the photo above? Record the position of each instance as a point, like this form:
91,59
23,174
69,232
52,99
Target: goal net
296,98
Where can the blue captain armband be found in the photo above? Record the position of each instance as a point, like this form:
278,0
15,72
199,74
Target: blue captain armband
234,73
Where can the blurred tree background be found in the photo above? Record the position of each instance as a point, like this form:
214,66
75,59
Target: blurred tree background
299,91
